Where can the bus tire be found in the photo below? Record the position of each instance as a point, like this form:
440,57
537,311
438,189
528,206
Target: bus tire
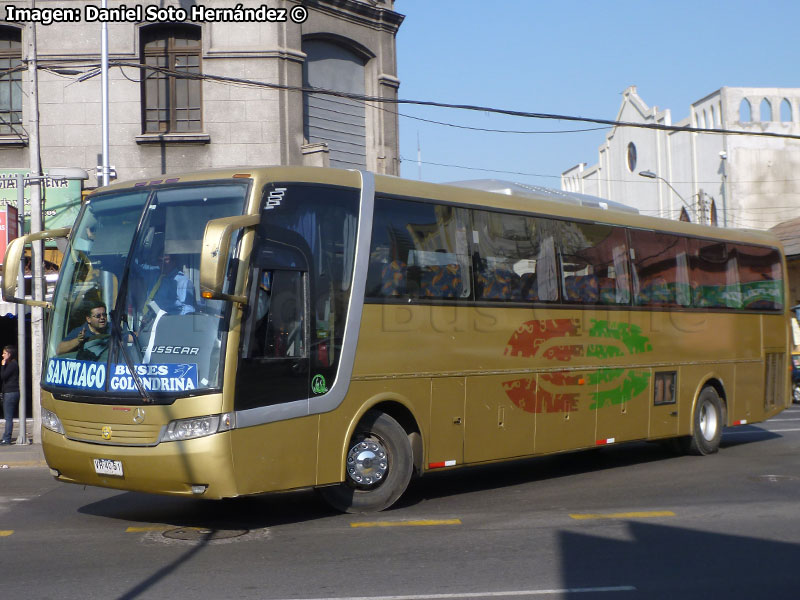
707,430
378,467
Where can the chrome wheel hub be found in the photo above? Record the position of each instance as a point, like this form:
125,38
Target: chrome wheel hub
708,422
367,463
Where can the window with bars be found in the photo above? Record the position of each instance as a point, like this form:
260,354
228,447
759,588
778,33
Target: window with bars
10,82
170,103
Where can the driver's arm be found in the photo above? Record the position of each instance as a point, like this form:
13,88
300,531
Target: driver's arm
70,345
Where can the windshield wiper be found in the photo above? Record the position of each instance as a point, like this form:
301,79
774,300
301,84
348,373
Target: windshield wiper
117,335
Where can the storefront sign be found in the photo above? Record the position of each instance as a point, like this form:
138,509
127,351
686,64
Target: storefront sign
61,198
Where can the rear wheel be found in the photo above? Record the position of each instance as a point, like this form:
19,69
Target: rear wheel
707,424
379,465
796,393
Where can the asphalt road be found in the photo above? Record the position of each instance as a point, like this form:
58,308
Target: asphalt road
632,521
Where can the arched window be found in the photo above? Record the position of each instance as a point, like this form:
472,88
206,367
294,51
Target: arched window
171,104
10,84
766,110
745,111
786,111
338,122
631,157
714,122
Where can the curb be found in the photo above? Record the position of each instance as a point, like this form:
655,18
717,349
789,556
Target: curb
21,456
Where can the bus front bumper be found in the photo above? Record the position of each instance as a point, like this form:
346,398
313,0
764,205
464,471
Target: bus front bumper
200,467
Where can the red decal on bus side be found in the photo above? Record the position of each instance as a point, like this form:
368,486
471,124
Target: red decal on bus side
529,336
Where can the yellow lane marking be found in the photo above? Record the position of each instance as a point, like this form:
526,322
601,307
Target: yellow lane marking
626,515
146,529
6,532
421,523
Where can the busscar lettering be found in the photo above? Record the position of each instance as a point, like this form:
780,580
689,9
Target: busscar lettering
190,350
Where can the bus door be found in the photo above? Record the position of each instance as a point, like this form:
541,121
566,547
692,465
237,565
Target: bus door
274,363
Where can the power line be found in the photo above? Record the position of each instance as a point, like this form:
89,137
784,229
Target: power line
635,181
513,131
431,103
478,168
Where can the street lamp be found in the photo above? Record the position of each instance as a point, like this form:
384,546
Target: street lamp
651,175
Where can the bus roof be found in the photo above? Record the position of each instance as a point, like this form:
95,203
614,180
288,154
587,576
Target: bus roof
489,193
510,188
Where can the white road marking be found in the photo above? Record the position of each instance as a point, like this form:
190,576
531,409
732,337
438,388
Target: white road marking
588,590
739,431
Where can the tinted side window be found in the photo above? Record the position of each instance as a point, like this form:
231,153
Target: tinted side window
279,330
419,250
660,274
714,275
594,264
514,258
312,228
760,277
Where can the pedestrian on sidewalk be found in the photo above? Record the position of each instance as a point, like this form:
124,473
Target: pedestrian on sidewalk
9,378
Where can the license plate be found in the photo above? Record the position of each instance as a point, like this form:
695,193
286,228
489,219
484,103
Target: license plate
105,466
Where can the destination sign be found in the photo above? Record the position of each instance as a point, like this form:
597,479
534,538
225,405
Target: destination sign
89,375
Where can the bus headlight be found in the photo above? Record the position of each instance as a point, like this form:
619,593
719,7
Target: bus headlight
187,429
51,421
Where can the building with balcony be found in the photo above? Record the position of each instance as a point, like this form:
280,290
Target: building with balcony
199,94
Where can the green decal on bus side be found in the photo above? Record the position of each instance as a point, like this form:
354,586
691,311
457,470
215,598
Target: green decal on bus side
561,340
630,335
318,385
635,383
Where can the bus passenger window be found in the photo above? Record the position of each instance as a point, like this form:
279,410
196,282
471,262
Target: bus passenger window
659,269
279,329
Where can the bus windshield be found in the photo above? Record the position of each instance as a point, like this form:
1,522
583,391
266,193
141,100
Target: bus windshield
129,321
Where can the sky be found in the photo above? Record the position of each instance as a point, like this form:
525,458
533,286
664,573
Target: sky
569,58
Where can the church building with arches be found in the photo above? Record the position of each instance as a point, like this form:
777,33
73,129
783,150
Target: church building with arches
726,179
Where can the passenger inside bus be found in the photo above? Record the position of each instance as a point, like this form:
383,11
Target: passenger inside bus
168,288
90,340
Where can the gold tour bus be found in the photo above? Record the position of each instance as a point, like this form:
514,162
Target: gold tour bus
280,328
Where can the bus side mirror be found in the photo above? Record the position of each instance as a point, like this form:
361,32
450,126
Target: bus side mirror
214,255
12,260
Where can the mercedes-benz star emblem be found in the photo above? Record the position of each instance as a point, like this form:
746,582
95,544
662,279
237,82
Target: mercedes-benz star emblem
138,416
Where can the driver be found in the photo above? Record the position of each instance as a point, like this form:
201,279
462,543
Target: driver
95,328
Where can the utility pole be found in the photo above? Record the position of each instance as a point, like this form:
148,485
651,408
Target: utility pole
37,313
104,86
22,334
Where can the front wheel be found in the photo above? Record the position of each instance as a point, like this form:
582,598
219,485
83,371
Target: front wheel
379,465
796,393
707,424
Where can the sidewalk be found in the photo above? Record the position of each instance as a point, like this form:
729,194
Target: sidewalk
16,455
